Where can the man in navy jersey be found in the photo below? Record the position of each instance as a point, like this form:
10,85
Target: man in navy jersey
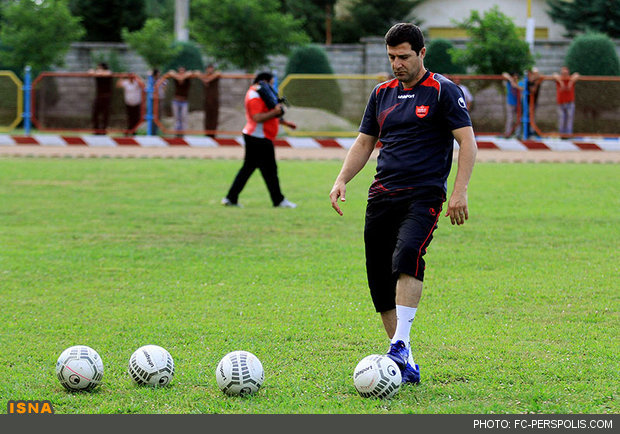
416,116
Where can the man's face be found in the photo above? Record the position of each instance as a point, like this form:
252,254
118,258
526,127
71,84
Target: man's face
407,65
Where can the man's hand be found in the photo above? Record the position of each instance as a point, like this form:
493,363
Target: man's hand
457,208
338,191
289,124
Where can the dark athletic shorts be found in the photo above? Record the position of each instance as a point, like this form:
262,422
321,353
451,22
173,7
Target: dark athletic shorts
397,233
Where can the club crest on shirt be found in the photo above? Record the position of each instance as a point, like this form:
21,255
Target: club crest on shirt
421,110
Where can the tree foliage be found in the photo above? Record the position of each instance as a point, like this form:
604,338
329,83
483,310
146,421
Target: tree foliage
104,19
37,33
312,14
372,18
187,55
439,57
594,54
579,16
495,45
245,33
162,9
154,42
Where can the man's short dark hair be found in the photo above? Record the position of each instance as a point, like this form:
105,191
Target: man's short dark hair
263,76
405,32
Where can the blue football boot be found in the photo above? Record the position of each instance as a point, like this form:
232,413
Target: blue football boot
399,353
411,374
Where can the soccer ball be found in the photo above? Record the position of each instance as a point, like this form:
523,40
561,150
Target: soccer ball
377,376
151,365
79,368
239,373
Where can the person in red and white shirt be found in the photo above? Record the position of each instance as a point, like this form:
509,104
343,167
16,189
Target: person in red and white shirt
261,128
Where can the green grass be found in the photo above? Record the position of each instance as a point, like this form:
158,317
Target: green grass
519,312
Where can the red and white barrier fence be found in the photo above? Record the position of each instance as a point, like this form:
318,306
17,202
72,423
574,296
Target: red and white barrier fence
484,142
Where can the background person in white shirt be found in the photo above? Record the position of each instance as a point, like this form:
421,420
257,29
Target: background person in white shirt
132,95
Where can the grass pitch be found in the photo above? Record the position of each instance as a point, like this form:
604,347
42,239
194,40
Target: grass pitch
519,312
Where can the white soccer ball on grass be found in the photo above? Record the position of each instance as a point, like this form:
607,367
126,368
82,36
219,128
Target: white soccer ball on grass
377,376
239,373
151,365
79,368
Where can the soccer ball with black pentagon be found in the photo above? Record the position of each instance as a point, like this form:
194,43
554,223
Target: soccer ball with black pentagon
79,368
377,376
239,373
151,365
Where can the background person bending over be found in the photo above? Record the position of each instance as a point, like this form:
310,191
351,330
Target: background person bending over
416,116
260,130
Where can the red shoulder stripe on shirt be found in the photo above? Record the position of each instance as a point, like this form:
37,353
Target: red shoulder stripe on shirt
431,82
391,83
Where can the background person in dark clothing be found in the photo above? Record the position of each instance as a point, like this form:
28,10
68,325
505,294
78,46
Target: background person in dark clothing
103,97
211,81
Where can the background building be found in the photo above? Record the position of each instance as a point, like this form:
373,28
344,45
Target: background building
439,17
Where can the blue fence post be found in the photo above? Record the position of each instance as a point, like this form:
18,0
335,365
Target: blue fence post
525,115
27,88
149,106
275,79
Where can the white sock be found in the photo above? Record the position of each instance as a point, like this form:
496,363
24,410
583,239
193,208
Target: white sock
404,320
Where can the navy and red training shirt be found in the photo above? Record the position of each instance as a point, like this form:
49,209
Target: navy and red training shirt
415,127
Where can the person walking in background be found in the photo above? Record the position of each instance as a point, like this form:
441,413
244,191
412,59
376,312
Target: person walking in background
565,93
132,96
103,97
513,95
211,82
180,105
417,116
261,128
469,98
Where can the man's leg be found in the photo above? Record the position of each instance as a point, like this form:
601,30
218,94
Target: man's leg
184,115
570,117
414,236
269,169
249,165
398,323
408,294
562,118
